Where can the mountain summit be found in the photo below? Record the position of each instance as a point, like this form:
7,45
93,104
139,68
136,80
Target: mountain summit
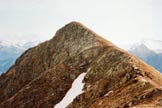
79,69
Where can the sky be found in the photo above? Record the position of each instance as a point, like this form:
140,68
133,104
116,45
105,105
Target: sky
119,21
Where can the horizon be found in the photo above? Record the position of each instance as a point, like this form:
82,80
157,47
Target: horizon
121,22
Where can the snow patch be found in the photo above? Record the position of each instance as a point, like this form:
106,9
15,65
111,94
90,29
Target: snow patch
75,90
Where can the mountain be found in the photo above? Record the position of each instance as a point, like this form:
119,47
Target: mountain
150,56
10,51
79,69
154,45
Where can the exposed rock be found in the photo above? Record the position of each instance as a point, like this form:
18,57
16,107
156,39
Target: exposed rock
42,76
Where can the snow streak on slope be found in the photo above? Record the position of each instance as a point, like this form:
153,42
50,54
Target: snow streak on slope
74,91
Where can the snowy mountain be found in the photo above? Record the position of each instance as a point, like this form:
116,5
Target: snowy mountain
154,45
149,51
10,51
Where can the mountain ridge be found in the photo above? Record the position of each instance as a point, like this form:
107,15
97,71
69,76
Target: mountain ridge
43,75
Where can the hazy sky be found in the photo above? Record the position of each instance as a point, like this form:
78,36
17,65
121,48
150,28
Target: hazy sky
120,21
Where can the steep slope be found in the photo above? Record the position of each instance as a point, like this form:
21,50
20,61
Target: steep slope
43,75
148,55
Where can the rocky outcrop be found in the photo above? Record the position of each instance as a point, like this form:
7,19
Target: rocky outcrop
42,76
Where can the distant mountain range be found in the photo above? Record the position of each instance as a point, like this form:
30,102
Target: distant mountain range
149,51
10,51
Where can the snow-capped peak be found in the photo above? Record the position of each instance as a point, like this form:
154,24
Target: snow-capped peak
9,43
17,44
154,45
